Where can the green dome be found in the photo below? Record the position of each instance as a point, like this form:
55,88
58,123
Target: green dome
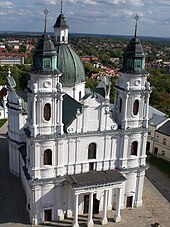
70,65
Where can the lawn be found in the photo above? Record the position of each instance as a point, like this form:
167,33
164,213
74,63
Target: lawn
2,121
162,164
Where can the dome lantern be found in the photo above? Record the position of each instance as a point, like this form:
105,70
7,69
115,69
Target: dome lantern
134,57
45,56
61,28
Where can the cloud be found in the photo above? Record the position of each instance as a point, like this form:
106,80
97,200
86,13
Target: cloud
110,2
6,4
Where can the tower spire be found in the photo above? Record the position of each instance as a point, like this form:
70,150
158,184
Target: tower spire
136,26
45,11
62,6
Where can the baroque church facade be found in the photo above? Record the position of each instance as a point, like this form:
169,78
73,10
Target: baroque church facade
74,152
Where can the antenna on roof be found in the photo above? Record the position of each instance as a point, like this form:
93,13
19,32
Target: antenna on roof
45,11
62,6
136,26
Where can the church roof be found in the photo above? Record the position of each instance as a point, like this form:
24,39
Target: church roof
45,46
70,107
69,63
134,49
164,129
95,178
61,22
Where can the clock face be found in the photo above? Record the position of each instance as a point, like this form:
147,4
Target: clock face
47,84
137,82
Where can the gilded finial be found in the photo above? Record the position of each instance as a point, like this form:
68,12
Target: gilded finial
45,11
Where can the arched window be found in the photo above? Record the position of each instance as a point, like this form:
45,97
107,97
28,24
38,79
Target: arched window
134,148
92,151
120,105
48,157
136,107
47,111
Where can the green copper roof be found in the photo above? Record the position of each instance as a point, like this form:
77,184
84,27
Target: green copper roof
45,55
134,57
70,65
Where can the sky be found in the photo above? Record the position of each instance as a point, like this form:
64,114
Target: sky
115,17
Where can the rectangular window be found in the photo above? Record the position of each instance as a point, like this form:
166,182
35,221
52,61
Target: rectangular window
163,153
157,138
164,141
156,151
47,63
91,166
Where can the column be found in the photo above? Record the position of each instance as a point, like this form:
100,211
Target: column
76,204
104,215
147,110
90,214
124,121
118,204
34,116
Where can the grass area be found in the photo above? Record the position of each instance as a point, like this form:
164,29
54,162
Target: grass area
162,164
2,121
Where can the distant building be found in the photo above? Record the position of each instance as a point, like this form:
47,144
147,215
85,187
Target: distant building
11,60
89,58
158,137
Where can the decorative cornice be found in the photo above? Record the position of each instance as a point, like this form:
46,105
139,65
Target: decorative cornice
94,133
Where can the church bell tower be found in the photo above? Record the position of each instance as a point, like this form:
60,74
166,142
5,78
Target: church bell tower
132,89
45,90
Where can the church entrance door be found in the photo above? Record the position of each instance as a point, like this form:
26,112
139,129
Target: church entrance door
129,201
47,215
95,204
86,204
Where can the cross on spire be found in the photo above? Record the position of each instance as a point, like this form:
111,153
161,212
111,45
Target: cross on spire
136,26
45,11
62,6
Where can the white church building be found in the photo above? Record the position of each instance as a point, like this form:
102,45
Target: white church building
74,152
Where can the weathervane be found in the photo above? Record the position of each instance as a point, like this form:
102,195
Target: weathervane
136,19
62,6
45,11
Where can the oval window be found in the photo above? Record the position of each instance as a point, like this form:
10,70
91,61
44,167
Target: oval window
135,107
47,111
